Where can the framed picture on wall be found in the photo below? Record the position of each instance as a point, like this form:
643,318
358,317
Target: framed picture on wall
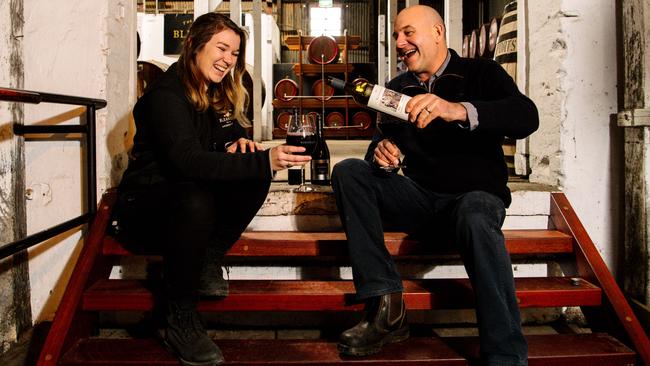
175,30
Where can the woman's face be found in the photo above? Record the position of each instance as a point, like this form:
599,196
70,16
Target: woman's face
218,56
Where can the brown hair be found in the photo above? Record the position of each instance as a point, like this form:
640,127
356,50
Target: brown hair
229,94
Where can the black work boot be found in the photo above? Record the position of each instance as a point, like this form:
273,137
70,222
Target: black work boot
185,335
212,283
384,321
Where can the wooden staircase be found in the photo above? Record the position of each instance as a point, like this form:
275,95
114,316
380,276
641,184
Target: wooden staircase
616,336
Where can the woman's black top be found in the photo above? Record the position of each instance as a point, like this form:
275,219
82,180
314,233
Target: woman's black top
175,142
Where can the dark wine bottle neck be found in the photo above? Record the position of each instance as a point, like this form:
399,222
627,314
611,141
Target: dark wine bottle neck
319,128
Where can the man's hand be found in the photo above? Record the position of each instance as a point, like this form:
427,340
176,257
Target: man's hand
424,108
386,154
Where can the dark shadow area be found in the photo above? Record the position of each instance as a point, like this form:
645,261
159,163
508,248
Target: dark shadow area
26,351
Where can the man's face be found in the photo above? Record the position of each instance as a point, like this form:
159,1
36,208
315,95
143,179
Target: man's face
417,41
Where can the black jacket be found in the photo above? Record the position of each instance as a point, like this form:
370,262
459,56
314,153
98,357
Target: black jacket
446,158
174,142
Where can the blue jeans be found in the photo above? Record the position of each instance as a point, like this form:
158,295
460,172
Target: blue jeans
368,199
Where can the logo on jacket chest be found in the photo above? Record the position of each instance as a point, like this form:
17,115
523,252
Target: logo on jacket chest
225,120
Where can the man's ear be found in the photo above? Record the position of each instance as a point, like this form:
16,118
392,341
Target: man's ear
439,29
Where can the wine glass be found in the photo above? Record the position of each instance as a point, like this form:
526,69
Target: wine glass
301,131
390,128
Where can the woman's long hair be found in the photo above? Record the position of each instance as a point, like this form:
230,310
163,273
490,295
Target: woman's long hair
227,96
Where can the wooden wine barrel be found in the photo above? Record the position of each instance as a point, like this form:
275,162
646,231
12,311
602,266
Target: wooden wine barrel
362,120
473,44
282,120
323,50
322,89
505,52
493,34
148,72
509,150
483,33
285,89
465,50
334,119
314,114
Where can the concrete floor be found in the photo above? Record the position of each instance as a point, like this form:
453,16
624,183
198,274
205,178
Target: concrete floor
25,352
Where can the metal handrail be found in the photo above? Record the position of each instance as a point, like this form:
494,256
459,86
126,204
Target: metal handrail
88,129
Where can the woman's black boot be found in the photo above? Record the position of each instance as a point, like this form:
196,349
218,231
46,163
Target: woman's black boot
384,321
185,335
212,282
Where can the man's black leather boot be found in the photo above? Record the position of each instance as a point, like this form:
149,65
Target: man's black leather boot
212,283
185,335
384,321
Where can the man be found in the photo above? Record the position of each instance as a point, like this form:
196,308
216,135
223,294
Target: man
453,189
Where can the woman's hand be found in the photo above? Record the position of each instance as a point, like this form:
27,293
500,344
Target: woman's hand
244,145
386,153
283,156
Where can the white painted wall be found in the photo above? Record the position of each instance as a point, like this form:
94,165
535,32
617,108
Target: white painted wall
151,29
84,49
592,141
573,81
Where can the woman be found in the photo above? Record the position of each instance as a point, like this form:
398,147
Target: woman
194,180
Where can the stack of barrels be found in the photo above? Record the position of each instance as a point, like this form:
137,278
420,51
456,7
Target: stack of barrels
322,50
496,39
481,42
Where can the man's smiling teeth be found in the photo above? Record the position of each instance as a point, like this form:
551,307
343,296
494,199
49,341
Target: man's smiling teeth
408,53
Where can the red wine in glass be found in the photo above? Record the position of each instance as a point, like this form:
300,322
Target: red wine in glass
301,131
308,141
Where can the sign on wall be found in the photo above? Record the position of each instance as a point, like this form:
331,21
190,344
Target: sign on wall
176,28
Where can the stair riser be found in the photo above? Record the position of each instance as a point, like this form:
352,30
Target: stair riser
331,222
285,210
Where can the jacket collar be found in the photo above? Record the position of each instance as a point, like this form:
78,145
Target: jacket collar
409,80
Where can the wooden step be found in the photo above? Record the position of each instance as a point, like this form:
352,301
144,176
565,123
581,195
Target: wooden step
559,350
333,244
301,295
593,349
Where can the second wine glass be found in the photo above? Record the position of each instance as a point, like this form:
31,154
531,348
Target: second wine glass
389,129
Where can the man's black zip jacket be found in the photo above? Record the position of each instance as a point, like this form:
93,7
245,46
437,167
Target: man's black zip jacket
446,157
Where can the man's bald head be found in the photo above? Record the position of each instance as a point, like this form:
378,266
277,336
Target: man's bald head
423,11
419,34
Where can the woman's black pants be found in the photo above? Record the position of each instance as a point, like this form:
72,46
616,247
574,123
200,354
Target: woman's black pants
181,220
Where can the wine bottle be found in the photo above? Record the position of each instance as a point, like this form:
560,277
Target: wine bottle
320,158
375,97
296,174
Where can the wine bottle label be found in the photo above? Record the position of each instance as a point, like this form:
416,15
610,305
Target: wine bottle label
320,170
389,102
